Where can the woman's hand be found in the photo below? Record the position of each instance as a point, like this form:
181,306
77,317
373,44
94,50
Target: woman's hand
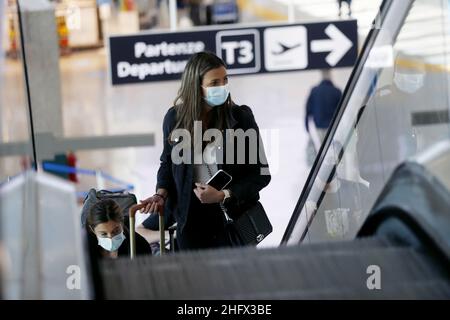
207,194
152,204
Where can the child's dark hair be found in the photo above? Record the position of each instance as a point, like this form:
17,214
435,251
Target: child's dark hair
103,211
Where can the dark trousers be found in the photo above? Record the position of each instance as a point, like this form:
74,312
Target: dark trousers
205,228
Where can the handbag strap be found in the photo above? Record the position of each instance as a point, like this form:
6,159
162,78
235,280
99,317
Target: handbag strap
222,206
252,221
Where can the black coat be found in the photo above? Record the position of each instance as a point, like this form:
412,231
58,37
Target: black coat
247,179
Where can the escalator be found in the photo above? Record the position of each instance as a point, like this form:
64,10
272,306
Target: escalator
318,271
395,107
399,254
373,220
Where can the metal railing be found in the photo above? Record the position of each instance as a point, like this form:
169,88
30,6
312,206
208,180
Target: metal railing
101,177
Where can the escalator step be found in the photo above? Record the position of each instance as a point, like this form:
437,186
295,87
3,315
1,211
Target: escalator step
336,270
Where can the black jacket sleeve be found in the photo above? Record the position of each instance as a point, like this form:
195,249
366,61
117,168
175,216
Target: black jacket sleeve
165,177
245,190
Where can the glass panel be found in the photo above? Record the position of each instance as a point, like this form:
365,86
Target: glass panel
15,139
396,108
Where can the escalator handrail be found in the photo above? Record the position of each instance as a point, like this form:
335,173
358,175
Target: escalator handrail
351,84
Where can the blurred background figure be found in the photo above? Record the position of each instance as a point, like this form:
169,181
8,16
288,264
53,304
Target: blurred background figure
72,162
349,5
337,216
389,115
320,107
195,11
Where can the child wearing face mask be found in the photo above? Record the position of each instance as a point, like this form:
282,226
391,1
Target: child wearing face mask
107,232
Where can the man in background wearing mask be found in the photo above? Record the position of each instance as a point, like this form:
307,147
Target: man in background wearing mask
386,136
339,211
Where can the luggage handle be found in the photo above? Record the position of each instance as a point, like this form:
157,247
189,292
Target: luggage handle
132,214
162,235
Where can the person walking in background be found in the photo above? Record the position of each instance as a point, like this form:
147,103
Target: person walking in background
349,5
320,107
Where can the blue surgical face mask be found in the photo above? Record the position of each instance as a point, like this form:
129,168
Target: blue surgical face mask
111,244
216,96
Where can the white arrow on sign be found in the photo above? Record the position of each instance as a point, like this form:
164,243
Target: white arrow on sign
338,45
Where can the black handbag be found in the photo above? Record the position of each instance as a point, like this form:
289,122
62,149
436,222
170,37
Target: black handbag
253,226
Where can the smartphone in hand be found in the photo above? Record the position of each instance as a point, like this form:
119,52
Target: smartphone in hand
219,180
